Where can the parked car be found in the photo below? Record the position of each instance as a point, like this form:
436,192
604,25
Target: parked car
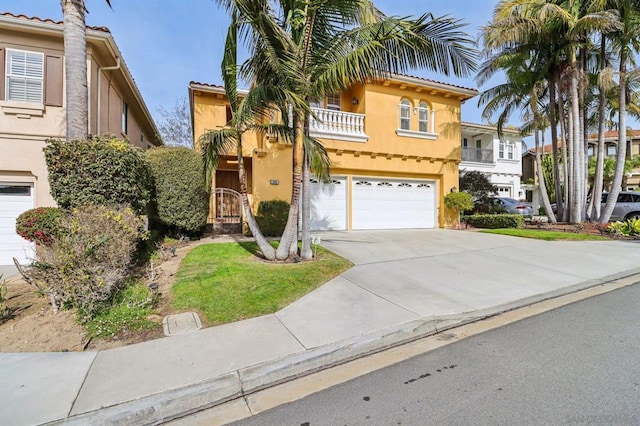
512,206
627,205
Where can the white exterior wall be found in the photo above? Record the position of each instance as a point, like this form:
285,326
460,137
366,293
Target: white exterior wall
502,172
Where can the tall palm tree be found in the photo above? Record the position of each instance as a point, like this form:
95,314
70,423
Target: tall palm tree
75,67
565,25
317,47
626,40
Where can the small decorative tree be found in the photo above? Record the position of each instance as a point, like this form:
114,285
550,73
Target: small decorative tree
459,201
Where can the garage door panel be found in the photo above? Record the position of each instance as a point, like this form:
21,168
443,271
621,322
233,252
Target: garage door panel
14,200
329,205
393,204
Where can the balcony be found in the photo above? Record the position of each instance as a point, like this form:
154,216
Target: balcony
337,125
477,155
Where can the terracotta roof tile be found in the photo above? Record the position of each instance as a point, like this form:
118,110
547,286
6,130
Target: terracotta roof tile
614,134
49,21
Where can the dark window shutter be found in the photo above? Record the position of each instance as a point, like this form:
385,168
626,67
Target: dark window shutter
2,79
53,81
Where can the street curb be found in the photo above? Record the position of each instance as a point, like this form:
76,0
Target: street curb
184,401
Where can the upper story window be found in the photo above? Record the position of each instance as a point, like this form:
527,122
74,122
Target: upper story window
611,150
125,117
334,102
465,143
405,114
24,76
507,150
423,117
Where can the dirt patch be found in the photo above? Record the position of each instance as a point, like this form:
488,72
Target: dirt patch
33,327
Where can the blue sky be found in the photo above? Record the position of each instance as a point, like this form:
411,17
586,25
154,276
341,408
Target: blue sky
168,43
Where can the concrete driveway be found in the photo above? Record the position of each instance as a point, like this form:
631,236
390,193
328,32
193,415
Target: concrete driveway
400,276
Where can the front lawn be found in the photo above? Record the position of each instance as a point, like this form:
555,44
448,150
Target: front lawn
539,234
227,282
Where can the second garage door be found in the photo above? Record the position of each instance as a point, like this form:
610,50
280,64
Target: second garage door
14,199
393,203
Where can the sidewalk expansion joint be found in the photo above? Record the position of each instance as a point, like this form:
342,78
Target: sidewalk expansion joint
381,297
84,380
289,331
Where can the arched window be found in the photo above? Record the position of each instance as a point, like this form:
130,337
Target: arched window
405,114
423,117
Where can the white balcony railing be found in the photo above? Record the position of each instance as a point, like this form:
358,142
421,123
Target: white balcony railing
337,125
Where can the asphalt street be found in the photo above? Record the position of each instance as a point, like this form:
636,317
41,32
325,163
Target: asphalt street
579,364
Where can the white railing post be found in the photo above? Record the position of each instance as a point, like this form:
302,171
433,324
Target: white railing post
337,123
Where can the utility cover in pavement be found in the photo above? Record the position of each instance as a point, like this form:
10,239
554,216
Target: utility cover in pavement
181,323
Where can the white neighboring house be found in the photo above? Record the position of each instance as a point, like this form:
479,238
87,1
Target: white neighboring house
499,158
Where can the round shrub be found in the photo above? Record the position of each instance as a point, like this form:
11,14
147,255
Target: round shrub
272,217
100,171
181,198
39,225
86,264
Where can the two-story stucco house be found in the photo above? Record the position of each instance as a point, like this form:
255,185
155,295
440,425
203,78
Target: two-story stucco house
32,110
500,158
394,146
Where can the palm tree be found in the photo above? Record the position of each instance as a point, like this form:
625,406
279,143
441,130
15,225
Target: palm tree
626,40
75,67
565,26
317,47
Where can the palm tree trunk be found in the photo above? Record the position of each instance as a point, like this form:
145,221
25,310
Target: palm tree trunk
267,249
574,214
622,141
305,252
554,142
75,66
542,184
290,232
596,194
565,155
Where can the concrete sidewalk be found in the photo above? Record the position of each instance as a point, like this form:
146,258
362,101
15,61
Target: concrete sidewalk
404,285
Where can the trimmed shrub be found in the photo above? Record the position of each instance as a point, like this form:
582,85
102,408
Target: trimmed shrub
40,225
460,201
101,171
495,221
481,189
88,262
181,200
272,217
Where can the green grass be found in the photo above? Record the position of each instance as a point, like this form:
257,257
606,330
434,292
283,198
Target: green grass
227,282
543,235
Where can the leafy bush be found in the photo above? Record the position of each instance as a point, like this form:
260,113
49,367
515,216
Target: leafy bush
481,189
129,311
460,201
181,198
628,228
39,225
88,262
5,311
272,217
101,171
494,221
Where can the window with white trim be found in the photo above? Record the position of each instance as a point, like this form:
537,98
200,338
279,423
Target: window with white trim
405,114
24,76
501,149
125,117
611,150
510,150
423,117
334,102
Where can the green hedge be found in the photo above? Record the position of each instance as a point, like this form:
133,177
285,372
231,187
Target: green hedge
494,221
103,171
181,201
272,217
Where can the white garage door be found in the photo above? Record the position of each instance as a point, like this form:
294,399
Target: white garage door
329,205
14,199
393,204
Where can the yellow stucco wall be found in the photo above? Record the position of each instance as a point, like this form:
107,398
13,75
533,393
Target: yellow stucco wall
385,154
